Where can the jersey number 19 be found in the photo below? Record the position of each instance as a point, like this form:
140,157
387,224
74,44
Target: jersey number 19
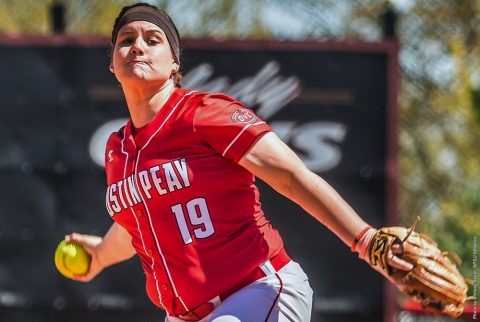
199,217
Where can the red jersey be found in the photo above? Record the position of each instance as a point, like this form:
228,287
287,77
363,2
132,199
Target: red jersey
193,213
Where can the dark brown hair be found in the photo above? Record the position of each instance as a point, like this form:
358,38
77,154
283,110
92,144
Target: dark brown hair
177,76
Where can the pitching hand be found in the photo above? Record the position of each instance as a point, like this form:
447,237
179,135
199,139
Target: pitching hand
90,243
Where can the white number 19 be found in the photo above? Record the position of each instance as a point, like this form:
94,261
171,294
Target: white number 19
199,216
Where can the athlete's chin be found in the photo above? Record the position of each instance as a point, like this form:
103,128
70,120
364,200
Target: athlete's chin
139,74
134,78
138,77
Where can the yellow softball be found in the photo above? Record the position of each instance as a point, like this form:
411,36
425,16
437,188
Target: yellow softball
71,259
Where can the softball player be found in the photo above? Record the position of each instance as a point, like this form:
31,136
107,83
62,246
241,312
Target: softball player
182,196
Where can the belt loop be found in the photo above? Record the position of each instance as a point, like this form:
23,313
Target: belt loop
216,301
267,268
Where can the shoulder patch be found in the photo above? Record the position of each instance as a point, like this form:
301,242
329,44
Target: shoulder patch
243,115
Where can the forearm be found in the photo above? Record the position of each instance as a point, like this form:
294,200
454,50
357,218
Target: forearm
115,247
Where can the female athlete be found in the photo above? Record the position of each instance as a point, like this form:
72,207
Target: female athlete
181,191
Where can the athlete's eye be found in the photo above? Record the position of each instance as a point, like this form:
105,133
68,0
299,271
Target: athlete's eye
152,41
127,41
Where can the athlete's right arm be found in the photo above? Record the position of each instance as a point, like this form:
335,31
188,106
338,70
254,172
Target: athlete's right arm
114,247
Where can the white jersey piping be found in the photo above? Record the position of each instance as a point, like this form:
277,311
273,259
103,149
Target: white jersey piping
138,224
146,208
238,135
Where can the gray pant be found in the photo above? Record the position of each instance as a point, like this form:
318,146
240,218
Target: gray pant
261,301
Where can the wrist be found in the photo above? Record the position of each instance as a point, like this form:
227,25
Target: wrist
362,241
102,257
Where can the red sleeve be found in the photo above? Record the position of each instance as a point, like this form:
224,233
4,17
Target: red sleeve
227,126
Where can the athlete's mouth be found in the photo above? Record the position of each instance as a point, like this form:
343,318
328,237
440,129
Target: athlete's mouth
136,62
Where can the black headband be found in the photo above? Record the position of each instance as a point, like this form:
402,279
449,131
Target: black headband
144,13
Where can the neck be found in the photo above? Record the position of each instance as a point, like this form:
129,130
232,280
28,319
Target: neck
144,103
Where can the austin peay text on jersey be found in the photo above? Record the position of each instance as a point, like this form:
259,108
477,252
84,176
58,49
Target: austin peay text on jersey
160,179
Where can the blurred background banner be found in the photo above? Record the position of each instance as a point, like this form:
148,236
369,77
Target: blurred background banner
329,101
324,73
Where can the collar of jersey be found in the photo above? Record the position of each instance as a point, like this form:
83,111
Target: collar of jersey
139,137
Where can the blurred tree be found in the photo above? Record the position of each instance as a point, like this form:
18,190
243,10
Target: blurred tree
220,18
92,17
27,17
440,128
212,18
83,17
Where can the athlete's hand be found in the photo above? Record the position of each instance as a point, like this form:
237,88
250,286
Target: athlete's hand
393,253
90,243
432,280
395,261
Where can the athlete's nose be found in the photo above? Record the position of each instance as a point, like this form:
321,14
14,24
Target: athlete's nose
137,47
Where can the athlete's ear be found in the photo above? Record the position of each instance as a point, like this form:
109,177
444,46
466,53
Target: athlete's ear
175,67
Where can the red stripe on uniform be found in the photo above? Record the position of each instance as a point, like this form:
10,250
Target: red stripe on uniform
278,296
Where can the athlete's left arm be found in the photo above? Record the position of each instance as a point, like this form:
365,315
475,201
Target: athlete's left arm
276,164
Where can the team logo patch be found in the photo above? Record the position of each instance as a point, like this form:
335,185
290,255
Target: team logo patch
243,115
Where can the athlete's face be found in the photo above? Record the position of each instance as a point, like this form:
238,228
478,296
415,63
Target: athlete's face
142,53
